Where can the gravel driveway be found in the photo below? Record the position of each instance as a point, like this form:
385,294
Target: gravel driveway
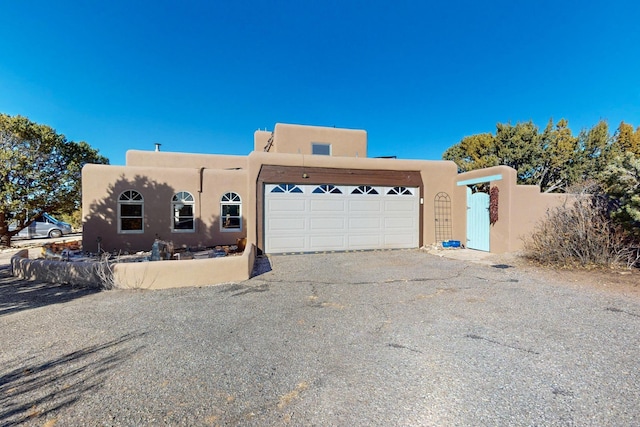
374,338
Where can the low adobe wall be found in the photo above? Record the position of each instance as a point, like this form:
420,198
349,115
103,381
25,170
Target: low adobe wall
520,207
44,270
139,275
178,274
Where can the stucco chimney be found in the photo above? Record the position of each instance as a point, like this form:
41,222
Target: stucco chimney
158,146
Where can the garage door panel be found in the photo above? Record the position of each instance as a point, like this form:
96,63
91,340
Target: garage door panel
327,205
365,242
282,224
366,223
327,242
287,244
365,205
319,223
406,222
308,222
400,205
286,205
399,239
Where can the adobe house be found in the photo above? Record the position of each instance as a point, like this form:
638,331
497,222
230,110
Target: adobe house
302,189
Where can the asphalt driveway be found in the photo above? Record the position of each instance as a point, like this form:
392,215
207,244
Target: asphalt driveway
370,338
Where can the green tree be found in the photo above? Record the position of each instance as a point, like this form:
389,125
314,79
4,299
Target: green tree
546,159
559,163
518,146
473,152
40,171
553,159
621,182
594,150
626,140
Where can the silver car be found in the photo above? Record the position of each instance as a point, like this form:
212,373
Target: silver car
45,226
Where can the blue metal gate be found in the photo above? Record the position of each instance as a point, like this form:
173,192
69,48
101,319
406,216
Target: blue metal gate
477,221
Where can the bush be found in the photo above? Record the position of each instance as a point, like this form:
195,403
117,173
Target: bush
74,218
581,233
621,182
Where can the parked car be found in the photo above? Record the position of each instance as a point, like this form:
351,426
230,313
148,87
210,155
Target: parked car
45,226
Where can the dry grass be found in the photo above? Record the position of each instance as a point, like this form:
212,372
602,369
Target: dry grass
581,234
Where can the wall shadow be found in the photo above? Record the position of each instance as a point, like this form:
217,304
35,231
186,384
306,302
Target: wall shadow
261,266
33,389
101,222
18,294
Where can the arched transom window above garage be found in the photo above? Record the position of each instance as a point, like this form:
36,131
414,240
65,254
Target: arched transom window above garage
327,188
286,188
364,189
402,191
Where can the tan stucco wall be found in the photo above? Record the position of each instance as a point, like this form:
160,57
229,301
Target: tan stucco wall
437,176
102,186
520,207
528,207
158,175
167,159
261,139
297,139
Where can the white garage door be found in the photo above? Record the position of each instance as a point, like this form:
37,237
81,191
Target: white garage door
310,218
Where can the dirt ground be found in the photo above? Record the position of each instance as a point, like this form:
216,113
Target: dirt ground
621,281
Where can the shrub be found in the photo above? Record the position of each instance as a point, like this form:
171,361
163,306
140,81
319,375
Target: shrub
621,182
74,218
581,233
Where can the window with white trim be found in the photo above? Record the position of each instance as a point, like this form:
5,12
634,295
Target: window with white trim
231,212
130,212
182,207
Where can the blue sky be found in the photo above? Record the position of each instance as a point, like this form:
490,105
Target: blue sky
418,76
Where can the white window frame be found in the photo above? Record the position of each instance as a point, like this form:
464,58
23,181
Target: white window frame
129,198
230,199
318,145
179,201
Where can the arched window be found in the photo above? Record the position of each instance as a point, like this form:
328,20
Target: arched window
231,212
130,212
182,209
